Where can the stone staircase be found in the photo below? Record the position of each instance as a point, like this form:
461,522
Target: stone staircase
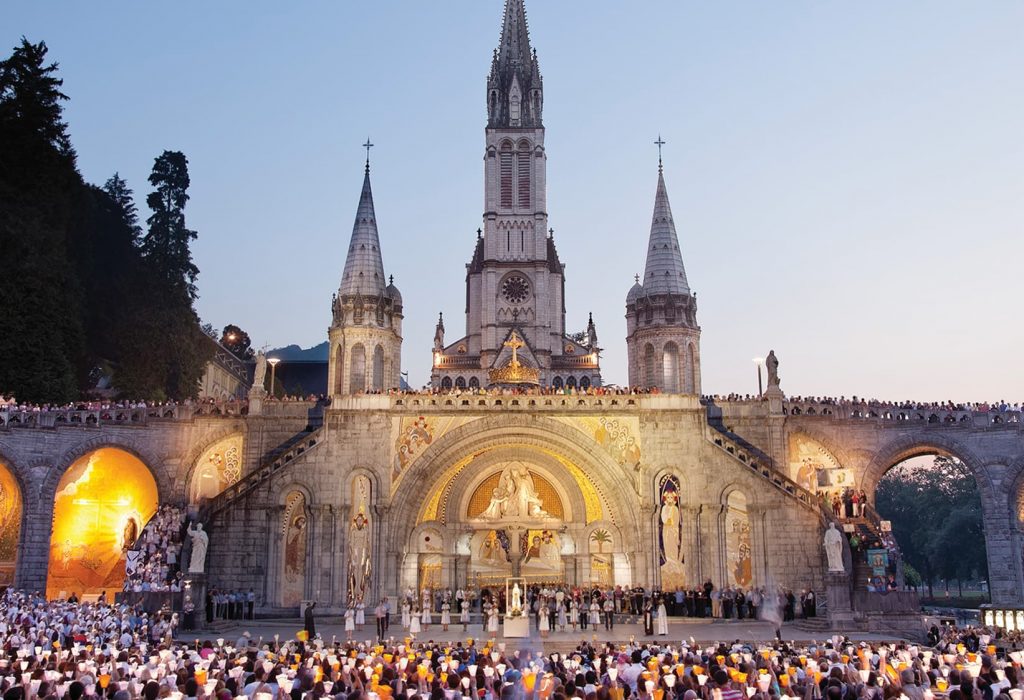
761,464
301,443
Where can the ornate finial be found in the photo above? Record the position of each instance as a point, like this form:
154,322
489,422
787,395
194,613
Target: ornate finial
636,278
479,233
659,143
551,233
367,146
391,280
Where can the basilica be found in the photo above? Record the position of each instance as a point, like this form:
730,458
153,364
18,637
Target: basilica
518,464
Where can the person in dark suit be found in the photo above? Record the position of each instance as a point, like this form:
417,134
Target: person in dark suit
310,622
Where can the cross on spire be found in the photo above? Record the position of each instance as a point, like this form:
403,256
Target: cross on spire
659,143
367,146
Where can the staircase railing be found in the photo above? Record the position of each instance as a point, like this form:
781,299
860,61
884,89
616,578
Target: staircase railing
300,444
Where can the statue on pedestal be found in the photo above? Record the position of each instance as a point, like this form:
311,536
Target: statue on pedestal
517,598
772,364
259,376
200,541
834,549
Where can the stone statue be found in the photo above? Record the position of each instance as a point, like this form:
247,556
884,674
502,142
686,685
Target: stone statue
772,364
260,375
515,497
834,549
517,598
200,541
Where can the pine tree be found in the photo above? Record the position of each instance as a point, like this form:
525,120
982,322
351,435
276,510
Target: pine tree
40,322
166,244
123,197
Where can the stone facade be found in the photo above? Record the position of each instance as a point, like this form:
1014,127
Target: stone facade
604,459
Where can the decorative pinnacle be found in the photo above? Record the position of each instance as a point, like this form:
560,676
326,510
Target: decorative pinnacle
659,143
367,146
391,279
636,278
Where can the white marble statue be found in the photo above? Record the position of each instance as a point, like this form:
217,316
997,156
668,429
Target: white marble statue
515,497
260,374
517,598
834,549
200,541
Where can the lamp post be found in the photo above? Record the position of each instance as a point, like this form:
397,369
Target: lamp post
272,361
759,361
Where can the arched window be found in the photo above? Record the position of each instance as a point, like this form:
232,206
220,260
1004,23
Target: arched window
584,382
474,383
357,370
556,383
378,368
571,382
446,383
505,163
460,383
690,386
339,370
647,378
523,158
670,368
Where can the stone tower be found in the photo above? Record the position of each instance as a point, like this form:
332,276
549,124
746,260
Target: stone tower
515,281
366,331
662,335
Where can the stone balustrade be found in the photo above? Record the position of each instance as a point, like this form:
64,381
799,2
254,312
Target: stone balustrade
928,415
58,417
516,402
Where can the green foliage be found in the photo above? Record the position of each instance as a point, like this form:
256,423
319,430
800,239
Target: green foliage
237,342
936,518
166,244
82,294
40,330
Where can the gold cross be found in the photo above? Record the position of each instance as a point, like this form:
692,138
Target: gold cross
515,343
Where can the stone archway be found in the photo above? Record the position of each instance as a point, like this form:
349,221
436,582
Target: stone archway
12,515
440,483
100,507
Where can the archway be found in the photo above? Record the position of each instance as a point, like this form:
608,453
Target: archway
11,511
670,368
218,467
102,503
929,506
451,485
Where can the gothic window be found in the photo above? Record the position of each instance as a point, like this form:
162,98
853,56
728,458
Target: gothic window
474,383
585,383
460,383
446,383
524,177
571,382
556,382
505,162
378,368
357,370
670,368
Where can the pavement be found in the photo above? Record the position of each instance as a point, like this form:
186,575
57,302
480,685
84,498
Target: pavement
704,631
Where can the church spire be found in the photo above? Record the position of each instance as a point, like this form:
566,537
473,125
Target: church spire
664,272
364,266
514,87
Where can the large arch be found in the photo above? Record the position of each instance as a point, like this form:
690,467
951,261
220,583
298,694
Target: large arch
904,447
12,516
101,505
558,448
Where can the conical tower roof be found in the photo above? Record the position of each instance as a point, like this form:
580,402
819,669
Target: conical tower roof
664,272
364,266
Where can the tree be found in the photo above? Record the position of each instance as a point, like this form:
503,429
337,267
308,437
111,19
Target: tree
123,198
40,321
237,342
936,517
166,244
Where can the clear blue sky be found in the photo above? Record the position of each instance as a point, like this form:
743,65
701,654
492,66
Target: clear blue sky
847,178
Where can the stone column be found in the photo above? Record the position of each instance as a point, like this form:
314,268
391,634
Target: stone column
758,545
1002,578
272,581
341,553
690,517
377,586
649,572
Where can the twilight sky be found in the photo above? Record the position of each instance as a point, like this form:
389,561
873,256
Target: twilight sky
847,179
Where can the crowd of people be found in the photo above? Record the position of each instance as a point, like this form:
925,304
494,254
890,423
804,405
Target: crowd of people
554,607
154,560
63,650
